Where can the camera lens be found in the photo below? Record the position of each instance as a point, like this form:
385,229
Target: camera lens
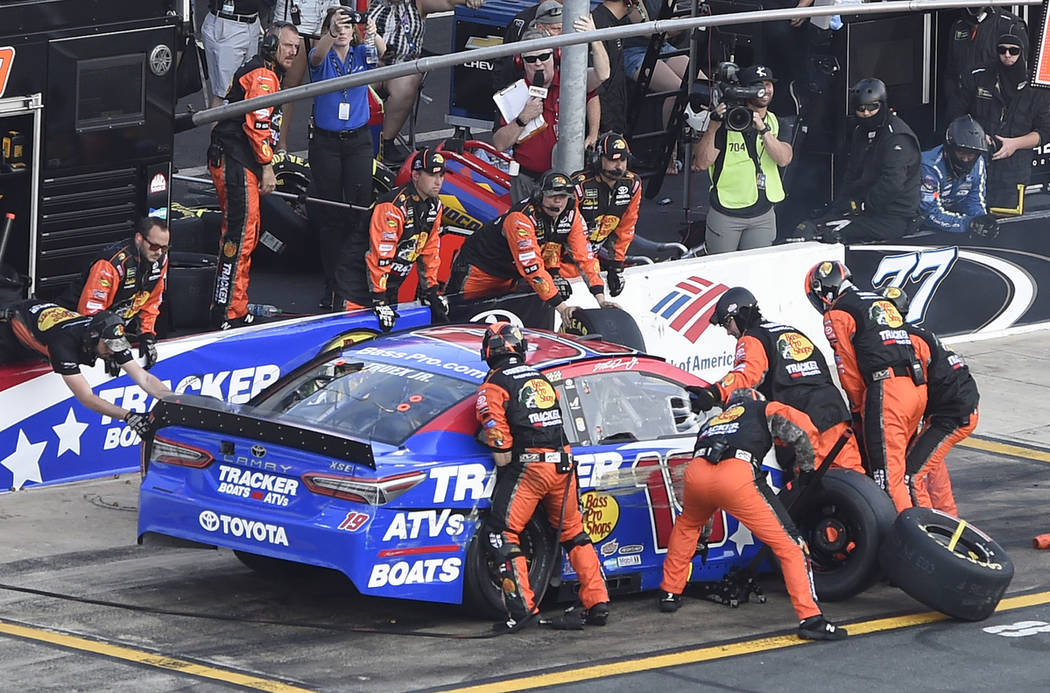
738,118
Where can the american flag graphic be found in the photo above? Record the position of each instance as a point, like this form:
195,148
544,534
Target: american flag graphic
689,305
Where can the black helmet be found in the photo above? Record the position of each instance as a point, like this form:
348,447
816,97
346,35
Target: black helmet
963,133
108,327
555,182
501,340
737,303
744,394
898,297
869,90
824,281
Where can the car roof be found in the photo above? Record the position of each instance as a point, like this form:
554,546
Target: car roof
454,350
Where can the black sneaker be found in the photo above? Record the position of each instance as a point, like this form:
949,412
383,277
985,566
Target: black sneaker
571,619
670,602
597,615
393,154
505,626
231,323
819,628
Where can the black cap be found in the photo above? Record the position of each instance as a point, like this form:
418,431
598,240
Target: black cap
755,74
1009,39
429,161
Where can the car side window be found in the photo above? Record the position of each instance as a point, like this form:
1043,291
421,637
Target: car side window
607,408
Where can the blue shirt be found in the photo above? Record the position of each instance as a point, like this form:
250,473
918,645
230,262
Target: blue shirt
948,203
326,106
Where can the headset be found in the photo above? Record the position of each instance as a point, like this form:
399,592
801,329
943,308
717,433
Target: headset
272,39
600,147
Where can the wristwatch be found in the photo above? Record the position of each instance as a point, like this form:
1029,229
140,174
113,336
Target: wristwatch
521,123
762,132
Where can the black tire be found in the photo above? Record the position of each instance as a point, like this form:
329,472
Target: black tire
481,593
844,522
965,579
613,324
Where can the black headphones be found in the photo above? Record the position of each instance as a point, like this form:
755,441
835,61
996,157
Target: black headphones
272,39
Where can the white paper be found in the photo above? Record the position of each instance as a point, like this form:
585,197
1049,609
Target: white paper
510,101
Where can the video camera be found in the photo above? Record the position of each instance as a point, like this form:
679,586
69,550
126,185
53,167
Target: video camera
726,88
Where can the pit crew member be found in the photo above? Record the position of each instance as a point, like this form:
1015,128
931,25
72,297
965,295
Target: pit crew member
68,340
725,474
521,422
127,278
878,369
405,230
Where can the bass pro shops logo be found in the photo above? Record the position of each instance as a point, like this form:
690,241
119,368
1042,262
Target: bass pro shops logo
689,305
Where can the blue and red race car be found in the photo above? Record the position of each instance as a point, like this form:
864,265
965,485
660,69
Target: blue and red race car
364,460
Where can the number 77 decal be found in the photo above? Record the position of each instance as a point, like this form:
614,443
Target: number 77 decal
929,265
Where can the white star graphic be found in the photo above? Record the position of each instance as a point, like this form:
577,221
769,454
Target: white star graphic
24,462
741,537
69,432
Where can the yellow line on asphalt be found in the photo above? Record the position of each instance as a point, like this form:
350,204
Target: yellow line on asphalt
150,659
1006,449
705,654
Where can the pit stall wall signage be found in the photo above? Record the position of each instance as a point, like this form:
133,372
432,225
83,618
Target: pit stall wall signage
46,436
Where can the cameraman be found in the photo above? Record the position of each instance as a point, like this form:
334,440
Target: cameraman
743,158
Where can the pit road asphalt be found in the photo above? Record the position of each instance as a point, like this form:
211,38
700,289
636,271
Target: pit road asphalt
79,540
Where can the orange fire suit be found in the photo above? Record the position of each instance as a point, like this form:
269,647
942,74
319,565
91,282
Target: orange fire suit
609,212
121,281
725,474
785,366
405,229
239,149
951,416
518,410
883,380
523,244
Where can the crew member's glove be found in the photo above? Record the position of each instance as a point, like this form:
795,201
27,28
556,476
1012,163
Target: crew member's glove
562,285
703,398
853,207
385,314
984,226
148,349
137,422
438,306
112,367
614,280
804,479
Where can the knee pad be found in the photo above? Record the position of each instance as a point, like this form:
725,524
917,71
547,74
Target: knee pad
581,539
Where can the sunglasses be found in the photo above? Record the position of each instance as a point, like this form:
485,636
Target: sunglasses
155,246
542,57
1012,50
867,108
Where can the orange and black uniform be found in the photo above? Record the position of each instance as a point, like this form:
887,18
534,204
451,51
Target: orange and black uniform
725,474
405,230
121,281
42,328
239,149
883,380
785,366
608,211
526,244
951,415
518,410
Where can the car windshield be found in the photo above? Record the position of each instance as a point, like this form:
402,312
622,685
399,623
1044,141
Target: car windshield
365,399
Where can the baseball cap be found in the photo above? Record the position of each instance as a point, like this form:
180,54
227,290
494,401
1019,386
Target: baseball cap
110,329
429,161
549,12
613,147
754,74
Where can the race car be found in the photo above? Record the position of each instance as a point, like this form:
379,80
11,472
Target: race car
364,460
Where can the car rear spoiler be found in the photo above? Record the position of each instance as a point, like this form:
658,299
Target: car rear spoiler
210,414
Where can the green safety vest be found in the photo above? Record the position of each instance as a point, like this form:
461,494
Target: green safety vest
737,183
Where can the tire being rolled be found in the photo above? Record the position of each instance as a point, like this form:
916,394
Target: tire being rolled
946,563
613,324
482,594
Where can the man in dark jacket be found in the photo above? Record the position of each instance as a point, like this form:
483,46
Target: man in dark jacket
879,198
974,36
1015,117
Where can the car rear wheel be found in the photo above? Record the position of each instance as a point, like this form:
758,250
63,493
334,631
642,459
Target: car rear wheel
843,523
946,564
481,590
613,324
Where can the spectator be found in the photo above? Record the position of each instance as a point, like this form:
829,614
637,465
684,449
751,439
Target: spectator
240,162
405,229
307,16
973,44
401,23
127,278
612,94
230,32
745,171
879,198
340,143
535,151
608,196
953,182
1015,117
526,244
